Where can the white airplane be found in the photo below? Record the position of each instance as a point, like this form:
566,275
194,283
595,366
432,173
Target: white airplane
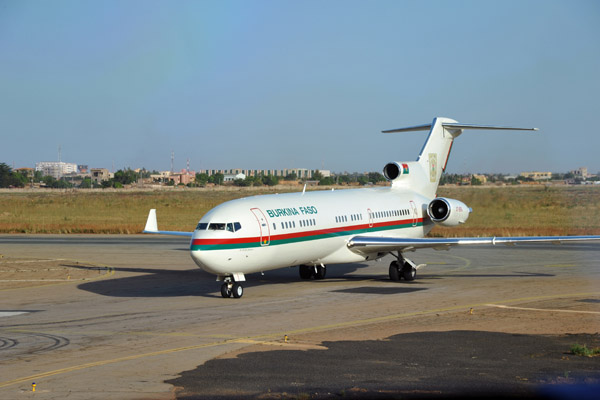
314,229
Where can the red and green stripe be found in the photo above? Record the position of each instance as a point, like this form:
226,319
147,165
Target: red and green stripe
298,237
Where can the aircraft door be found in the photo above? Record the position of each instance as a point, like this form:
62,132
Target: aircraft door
263,225
415,213
370,214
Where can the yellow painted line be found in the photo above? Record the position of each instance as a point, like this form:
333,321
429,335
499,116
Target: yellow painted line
253,339
542,309
560,265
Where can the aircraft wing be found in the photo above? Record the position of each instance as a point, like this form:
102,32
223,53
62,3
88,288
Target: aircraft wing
366,244
152,227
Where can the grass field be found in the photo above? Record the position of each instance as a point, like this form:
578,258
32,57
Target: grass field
497,211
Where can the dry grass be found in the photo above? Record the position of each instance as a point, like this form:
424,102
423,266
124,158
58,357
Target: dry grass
502,211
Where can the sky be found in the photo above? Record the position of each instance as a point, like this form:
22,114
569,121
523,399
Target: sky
275,84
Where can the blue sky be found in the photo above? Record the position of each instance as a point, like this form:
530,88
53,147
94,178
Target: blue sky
298,84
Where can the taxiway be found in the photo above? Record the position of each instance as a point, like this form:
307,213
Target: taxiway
140,313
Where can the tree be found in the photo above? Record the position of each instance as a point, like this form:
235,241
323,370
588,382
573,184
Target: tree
9,178
376,177
217,179
125,177
270,180
326,181
291,177
201,179
317,175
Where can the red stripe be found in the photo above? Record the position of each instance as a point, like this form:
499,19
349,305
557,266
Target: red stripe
295,235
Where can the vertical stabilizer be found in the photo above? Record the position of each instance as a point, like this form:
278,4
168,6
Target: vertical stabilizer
434,155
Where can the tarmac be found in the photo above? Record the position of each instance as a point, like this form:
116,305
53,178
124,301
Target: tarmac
132,317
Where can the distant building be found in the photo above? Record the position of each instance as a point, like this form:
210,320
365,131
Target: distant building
232,177
301,173
480,178
581,173
537,176
56,169
100,175
28,172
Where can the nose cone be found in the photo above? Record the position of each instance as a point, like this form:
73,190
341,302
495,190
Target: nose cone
205,259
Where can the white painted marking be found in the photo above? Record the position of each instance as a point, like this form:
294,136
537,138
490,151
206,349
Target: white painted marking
12,313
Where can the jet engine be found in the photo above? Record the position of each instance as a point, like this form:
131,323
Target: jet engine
395,170
448,212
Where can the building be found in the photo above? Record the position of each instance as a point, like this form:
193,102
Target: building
233,177
481,178
28,172
537,176
56,169
581,173
301,173
99,175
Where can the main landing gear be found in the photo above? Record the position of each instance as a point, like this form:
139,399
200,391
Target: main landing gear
231,288
403,269
309,271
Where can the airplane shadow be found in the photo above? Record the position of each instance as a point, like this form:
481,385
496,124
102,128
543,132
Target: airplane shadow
195,282
192,282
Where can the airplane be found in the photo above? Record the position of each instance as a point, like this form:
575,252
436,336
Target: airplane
318,228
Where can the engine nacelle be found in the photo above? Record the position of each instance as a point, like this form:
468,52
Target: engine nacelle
395,170
448,212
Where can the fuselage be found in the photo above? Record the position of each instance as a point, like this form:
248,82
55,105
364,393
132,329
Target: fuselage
261,233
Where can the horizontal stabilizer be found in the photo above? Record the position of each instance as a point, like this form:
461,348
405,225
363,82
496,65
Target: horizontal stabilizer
455,125
152,227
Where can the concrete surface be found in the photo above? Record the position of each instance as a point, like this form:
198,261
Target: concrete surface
139,312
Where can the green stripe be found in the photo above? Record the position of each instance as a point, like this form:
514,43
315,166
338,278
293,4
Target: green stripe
248,245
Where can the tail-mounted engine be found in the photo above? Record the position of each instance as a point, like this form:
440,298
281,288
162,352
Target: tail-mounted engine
395,170
448,212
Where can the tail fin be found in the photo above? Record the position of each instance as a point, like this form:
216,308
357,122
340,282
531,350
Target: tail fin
435,152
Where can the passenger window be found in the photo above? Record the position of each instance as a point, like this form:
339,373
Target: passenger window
274,226
294,224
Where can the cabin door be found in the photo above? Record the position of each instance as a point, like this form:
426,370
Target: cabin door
415,213
263,225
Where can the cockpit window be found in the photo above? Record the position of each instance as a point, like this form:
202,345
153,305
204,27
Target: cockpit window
202,226
218,226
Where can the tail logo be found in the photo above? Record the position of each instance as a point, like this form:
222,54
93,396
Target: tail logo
432,167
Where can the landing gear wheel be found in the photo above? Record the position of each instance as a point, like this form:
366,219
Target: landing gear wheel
305,271
409,273
394,271
238,290
320,272
225,292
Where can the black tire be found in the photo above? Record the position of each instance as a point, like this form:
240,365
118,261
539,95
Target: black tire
225,292
409,273
320,272
394,271
237,290
305,271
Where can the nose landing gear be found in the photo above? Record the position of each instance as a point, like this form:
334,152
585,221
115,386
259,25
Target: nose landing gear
230,287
